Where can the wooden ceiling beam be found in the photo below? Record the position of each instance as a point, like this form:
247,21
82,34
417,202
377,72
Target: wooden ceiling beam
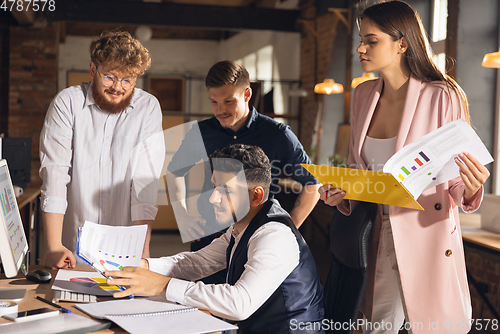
95,29
175,15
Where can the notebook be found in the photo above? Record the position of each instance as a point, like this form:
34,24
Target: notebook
155,315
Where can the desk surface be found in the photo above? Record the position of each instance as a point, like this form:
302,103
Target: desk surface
45,291
28,195
472,232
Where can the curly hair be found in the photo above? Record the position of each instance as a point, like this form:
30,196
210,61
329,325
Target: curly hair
121,51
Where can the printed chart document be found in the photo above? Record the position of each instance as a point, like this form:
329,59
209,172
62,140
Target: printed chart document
89,282
429,161
110,248
418,166
155,315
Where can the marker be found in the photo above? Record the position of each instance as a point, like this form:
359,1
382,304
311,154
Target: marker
62,309
69,263
92,264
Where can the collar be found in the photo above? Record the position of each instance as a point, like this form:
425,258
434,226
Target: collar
237,235
250,124
89,98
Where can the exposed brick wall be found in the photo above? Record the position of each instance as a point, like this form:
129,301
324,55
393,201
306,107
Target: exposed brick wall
314,64
484,267
32,85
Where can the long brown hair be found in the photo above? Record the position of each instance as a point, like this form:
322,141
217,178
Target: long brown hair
398,19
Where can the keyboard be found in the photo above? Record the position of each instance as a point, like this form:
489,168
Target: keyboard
76,297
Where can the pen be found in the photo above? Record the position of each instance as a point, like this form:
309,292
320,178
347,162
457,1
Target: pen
102,273
62,309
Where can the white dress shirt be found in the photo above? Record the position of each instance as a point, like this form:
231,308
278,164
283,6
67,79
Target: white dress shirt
273,253
97,166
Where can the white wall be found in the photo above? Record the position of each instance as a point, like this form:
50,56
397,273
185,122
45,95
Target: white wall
286,49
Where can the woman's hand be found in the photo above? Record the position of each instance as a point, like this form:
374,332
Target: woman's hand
331,196
473,173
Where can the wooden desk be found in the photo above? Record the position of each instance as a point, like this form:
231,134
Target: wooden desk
29,209
472,232
45,291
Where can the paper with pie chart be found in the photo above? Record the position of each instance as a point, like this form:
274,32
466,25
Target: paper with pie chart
112,247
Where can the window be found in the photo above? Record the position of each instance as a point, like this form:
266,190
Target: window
439,32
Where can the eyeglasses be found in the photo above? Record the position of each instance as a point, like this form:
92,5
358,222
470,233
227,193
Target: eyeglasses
109,80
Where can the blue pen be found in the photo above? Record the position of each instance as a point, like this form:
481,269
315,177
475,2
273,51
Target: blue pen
92,264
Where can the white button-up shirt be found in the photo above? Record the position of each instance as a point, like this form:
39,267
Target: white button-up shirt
273,253
97,166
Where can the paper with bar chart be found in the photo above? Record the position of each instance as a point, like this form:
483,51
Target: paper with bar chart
418,166
429,161
112,247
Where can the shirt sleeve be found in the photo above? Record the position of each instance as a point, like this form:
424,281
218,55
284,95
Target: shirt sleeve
56,141
147,161
273,253
294,155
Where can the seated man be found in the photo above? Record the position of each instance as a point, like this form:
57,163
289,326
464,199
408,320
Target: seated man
272,284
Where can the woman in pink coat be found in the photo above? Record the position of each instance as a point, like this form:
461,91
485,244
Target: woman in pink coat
416,262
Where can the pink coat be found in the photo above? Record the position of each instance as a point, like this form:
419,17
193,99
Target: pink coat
433,280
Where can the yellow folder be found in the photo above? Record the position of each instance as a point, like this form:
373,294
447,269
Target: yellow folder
365,185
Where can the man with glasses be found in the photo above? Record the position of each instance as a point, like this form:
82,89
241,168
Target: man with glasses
101,149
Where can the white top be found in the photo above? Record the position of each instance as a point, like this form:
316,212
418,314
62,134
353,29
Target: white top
375,153
273,252
97,166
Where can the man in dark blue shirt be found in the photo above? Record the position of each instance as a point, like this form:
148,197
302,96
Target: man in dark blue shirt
235,122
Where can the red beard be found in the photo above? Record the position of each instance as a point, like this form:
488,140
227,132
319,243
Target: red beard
107,106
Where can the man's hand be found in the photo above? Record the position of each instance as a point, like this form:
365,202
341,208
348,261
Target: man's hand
59,257
141,281
56,255
144,264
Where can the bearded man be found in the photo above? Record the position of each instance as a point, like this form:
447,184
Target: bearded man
87,144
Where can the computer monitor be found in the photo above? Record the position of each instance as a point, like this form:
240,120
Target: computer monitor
13,243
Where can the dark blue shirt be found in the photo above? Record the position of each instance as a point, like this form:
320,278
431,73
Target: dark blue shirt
277,140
